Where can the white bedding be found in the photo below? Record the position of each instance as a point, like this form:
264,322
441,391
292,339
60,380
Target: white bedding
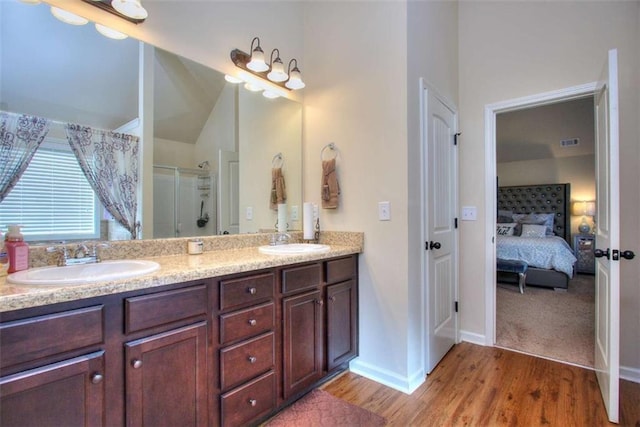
550,252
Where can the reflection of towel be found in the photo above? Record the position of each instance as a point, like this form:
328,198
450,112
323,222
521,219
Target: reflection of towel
278,189
330,186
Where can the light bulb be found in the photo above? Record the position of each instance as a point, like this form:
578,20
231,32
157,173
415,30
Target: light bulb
111,33
68,17
131,8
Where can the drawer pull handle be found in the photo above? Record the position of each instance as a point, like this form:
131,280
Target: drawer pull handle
96,378
253,322
136,363
253,402
252,359
252,291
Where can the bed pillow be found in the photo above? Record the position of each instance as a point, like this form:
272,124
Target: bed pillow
545,219
533,230
506,229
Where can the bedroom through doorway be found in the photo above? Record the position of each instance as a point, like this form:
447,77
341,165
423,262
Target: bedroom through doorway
539,149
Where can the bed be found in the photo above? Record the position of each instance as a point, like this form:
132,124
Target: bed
534,226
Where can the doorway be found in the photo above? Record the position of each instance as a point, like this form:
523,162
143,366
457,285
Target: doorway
491,114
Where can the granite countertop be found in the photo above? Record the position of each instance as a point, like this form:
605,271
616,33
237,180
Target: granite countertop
173,269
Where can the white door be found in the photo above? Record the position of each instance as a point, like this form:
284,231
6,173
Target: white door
439,129
607,339
229,205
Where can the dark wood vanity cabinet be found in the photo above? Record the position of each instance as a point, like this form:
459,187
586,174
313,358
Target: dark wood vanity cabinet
224,351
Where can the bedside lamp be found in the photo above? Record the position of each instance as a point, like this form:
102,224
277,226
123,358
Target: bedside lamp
584,209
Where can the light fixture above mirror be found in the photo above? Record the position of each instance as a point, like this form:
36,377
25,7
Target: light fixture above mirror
131,10
273,72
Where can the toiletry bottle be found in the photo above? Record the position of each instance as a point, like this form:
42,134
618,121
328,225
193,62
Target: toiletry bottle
17,249
4,258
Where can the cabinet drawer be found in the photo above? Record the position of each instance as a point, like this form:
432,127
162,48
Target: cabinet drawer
342,269
299,278
249,402
245,360
42,336
245,290
161,308
246,323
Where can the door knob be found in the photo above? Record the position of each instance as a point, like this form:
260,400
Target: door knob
627,254
434,245
599,253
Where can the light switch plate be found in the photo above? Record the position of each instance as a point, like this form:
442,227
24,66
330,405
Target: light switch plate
294,213
469,213
249,213
384,211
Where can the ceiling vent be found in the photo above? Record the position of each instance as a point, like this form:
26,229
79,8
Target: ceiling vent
569,142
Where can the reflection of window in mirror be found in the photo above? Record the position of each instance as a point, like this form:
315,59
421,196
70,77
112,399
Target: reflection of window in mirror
53,200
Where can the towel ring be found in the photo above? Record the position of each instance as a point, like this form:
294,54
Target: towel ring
277,161
331,146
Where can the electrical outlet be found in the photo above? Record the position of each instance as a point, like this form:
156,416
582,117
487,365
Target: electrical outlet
469,213
248,213
384,211
294,213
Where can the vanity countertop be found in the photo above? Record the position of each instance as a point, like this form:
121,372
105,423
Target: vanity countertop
173,269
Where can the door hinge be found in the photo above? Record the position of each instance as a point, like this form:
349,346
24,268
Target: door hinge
455,222
455,306
455,138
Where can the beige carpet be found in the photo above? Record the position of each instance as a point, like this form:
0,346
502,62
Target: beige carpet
548,323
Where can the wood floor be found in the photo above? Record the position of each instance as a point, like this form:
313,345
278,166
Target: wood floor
488,386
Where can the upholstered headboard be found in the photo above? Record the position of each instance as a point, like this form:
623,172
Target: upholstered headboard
544,198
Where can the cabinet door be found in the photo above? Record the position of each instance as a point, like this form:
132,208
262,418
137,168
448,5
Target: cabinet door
302,341
341,323
68,393
166,378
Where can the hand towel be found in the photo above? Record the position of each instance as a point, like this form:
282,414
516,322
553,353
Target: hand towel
278,188
330,187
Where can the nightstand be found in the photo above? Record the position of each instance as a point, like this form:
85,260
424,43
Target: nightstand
583,246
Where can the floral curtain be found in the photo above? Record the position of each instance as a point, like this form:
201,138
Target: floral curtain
109,160
20,137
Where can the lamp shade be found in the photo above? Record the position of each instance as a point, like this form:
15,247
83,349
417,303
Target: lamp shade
295,80
131,8
68,17
257,61
277,73
583,208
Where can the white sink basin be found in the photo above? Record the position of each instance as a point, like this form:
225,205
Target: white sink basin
294,249
84,273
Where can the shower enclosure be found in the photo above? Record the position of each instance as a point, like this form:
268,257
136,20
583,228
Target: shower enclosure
184,202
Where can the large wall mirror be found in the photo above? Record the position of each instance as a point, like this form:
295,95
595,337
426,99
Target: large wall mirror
214,143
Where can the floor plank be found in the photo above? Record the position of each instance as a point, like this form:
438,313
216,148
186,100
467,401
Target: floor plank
489,386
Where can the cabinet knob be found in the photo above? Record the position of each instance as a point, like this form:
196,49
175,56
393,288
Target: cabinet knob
96,378
136,363
332,298
253,322
252,291
253,402
252,359
319,302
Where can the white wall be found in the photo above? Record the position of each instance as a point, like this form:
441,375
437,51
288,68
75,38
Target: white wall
514,49
579,171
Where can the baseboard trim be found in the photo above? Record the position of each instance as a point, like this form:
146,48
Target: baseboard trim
473,338
391,379
630,374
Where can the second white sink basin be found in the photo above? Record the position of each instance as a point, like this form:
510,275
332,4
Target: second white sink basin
84,273
294,249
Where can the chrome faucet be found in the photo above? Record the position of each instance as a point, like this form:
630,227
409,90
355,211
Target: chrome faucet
81,255
280,239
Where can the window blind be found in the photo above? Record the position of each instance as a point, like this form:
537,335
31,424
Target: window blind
52,200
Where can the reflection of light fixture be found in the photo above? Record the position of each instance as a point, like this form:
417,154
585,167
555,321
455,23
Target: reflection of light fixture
31,1
110,32
274,73
295,78
257,58
68,17
131,8
277,73
252,87
584,209
270,94
232,79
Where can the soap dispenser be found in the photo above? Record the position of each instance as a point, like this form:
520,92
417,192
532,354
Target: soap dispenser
4,258
17,249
